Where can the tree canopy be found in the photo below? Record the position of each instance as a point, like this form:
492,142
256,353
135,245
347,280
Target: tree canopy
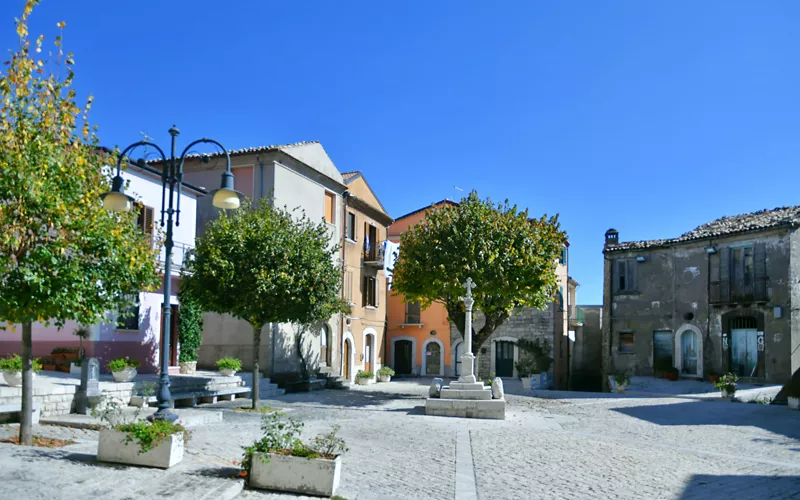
510,257
62,255
265,265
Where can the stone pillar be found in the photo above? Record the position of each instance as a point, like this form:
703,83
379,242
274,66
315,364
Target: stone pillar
468,359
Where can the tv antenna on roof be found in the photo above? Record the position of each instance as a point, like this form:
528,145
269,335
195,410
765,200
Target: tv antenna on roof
456,188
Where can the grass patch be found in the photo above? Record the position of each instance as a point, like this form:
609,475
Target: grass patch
40,441
260,409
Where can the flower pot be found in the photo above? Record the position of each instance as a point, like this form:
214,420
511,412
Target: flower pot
384,378
363,381
526,383
794,403
188,367
317,476
74,369
113,448
228,373
14,379
727,394
49,368
125,375
713,379
671,376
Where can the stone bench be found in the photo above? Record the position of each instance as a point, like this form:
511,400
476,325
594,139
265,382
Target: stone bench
17,408
192,398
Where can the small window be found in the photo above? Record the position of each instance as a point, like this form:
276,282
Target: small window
626,275
413,313
128,319
625,342
145,220
330,207
370,295
351,226
563,258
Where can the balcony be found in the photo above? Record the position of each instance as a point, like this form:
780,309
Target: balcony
576,318
373,253
738,292
180,253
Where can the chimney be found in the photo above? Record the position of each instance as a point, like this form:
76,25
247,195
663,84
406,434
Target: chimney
612,237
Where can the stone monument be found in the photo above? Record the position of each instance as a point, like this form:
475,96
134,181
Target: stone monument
467,397
89,390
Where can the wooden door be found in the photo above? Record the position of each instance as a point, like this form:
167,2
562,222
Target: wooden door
173,334
504,359
402,357
368,354
346,362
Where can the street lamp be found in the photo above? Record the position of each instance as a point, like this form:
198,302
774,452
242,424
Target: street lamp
116,200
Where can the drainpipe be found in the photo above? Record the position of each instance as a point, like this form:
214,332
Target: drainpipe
261,178
345,197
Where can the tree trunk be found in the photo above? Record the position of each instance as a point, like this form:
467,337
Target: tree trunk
256,369
26,416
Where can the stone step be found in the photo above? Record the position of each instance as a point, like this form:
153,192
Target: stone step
491,409
466,386
482,394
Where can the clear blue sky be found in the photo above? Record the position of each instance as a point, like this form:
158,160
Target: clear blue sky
651,117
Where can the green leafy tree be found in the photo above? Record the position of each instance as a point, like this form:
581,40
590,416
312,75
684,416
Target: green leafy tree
190,326
510,257
62,256
264,265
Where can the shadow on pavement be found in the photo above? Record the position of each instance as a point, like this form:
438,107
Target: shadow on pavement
774,419
703,486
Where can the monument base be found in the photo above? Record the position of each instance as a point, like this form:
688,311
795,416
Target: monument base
488,408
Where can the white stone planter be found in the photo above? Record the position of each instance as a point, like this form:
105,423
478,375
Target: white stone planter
727,395
794,403
228,373
188,367
296,474
363,381
74,369
125,375
532,382
113,448
384,378
14,379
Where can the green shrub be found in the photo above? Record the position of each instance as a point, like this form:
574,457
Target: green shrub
535,356
151,434
14,364
621,378
190,326
363,374
727,383
385,371
119,364
229,363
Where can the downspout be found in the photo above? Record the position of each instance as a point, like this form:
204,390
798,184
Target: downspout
261,178
345,197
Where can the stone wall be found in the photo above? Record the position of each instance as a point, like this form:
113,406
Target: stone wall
585,358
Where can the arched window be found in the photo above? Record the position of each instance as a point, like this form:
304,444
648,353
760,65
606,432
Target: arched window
324,342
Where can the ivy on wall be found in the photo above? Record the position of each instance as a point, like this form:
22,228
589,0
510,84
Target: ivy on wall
190,327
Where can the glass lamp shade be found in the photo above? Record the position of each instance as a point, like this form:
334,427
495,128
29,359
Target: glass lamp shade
117,202
227,199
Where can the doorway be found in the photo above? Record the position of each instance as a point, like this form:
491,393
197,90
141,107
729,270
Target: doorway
744,351
662,352
689,353
173,334
368,346
433,358
346,353
504,359
402,357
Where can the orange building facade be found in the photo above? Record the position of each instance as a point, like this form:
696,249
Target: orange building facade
417,340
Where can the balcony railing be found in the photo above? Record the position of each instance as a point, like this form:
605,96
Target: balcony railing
179,255
738,292
373,252
576,317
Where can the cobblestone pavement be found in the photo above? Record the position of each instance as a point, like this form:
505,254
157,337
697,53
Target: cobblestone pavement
586,446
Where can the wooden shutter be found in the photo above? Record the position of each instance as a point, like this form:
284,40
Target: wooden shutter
330,207
364,285
620,271
760,270
724,274
631,284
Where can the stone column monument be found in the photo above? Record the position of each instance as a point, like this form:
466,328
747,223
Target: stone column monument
468,359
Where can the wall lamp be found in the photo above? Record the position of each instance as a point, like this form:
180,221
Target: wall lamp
641,258
711,250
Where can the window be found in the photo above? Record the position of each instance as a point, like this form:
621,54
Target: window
324,340
413,313
145,220
742,266
371,251
563,259
625,343
351,226
561,298
626,275
128,319
370,292
330,207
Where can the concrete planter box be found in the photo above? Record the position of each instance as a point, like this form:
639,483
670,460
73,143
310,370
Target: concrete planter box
364,381
113,448
316,476
228,373
188,367
794,403
384,378
532,382
14,379
125,375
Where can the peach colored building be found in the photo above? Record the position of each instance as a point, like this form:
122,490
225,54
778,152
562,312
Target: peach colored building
417,341
363,278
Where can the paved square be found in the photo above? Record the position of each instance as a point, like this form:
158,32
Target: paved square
587,446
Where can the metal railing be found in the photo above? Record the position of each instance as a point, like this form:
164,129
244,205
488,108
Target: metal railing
738,291
180,253
373,251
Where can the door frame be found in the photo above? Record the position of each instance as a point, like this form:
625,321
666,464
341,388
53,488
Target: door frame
493,355
373,357
425,357
413,352
677,354
351,361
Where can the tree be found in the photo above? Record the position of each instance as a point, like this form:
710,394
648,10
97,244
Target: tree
264,265
511,258
62,255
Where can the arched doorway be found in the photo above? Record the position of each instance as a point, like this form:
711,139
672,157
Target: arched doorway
403,357
432,360
347,370
689,357
369,343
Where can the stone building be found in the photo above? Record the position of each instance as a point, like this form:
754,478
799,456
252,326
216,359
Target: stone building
716,299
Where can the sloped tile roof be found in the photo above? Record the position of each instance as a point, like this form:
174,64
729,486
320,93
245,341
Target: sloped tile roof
724,226
349,175
244,151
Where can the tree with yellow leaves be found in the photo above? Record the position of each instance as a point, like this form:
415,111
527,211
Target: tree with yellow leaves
62,255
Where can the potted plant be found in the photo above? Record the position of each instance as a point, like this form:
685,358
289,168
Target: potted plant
123,369
82,332
364,378
12,369
727,385
671,374
713,377
159,443
526,369
281,461
385,374
619,382
229,366
48,364
535,362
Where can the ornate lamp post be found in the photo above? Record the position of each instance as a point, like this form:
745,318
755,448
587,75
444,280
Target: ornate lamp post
116,200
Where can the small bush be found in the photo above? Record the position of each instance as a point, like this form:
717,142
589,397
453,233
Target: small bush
151,434
363,374
229,363
385,371
727,382
121,364
14,364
